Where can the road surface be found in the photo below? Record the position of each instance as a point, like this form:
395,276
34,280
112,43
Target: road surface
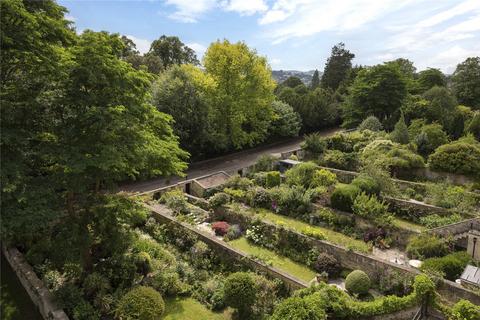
230,162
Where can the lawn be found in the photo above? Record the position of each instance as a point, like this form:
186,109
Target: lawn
330,235
403,224
282,263
190,309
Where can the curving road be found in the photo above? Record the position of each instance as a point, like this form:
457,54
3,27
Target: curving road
230,162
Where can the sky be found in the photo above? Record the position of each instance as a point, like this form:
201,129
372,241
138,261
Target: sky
299,34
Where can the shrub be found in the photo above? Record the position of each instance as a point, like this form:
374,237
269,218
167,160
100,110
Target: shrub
473,126
258,197
240,292
273,179
234,232
143,262
95,283
301,174
85,311
292,201
451,197
464,310
430,138
461,156
367,184
339,159
343,197
141,303
423,287
323,178
68,296
218,199
220,228
370,123
390,155
400,132
370,207
327,263
53,279
265,162
176,201
426,246
314,233
317,193
451,265
357,282
167,282
434,220
235,194
314,144
296,308
260,178
238,182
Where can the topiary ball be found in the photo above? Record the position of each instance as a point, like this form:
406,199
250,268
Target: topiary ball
142,303
357,282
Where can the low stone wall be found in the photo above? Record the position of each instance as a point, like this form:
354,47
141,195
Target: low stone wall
415,210
406,314
457,228
35,288
429,174
223,248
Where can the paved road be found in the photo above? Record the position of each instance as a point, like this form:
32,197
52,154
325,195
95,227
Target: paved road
230,162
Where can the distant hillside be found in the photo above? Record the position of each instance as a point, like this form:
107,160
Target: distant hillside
282,75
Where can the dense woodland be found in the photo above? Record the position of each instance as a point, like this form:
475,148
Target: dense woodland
83,112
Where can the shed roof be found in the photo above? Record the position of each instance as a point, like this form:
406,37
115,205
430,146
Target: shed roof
471,274
290,161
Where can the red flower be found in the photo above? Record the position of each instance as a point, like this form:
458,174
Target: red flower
220,228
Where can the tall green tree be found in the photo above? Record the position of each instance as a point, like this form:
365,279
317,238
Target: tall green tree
380,91
400,132
170,50
33,37
466,82
315,80
178,93
244,88
429,78
337,67
286,121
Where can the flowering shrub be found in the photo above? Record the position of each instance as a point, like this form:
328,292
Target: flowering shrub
220,228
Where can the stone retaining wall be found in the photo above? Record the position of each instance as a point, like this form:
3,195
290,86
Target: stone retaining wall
35,288
223,248
457,228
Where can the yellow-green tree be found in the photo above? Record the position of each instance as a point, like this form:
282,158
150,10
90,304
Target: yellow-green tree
242,106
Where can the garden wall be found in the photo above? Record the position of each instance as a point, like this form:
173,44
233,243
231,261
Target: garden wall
162,214
35,288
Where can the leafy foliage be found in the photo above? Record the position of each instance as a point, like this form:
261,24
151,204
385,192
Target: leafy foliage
357,282
141,303
344,196
426,246
370,123
451,265
466,82
240,292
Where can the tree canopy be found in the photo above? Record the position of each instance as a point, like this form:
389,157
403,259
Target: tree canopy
337,67
466,82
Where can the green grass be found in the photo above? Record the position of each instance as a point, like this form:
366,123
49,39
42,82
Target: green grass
189,309
404,224
280,262
330,235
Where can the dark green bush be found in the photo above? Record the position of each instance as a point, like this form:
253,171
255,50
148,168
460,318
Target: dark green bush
367,184
296,308
265,162
461,156
95,283
273,179
68,296
426,246
238,182
327,263
339,160
260,178
357,282
451,265
85,311
370,123
344,196
301,174
218,199
314,144
141,303
240,292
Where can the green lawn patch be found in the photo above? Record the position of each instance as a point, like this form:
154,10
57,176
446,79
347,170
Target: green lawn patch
280,262
407,225
189,309
330,235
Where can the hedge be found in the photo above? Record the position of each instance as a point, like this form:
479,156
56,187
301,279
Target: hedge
343,197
